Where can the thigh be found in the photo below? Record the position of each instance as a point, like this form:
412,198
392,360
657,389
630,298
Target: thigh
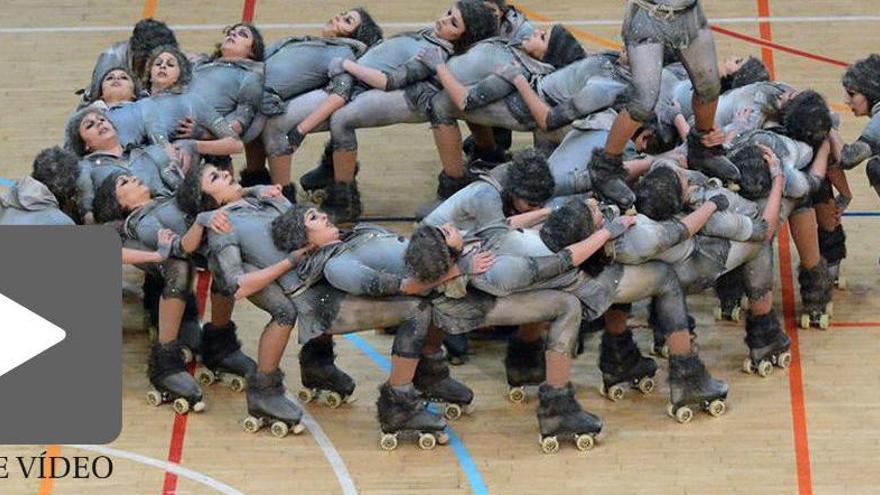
496,114
377,108
527,307
356,313
642,281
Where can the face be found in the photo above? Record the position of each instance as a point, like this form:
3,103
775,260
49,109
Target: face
165,71
495,9
220,185
97,133
523,206
238,43
787,96
857,102
596,212
536,45
643,139
730,65
342,25
131,192
319,229
117,86
453,237
450,26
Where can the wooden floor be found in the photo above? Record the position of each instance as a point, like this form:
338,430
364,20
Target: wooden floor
812,429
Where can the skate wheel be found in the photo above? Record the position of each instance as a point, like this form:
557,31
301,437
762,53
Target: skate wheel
205,377
199,406
427,441
664,351
747,366
442,438
805,321
154,398
736,314
744,302
841,283
305,396
388,442
718,314
153,334
646,385
733,187
298,428
187,354
615,393
237,384
783,360
279,429
517,395
824,322
765,369
717,408
181,406
584,442
251,424
549,445
452,412
714,183
829,309
630,212
332,400
684,414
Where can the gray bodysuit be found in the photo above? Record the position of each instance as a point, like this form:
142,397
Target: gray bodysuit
164,112
29,202
234,88
477,205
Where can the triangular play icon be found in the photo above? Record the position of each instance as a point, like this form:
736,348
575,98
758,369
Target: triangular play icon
23,335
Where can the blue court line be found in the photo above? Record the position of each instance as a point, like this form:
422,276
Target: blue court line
862,214
6,182
461,453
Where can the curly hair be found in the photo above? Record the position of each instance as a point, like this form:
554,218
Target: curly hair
368,32
58,170
427,257
105,206
563,48
146,36
863,76
480,22
659,194
755,183
752,70
806,118
289,230
529,177
570,223
258,46
190,197
71,130
183,64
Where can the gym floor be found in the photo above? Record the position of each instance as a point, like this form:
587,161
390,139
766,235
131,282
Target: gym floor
814,428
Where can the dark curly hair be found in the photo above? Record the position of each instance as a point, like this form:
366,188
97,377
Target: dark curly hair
98,93
71,130
563,48
529,177
427,257
183,64
806,118
58,170
146,36
289,230
752,70
863,76
480,23
659,194
570,223
369,32
258,47
755,183
190,197
661,139
105,206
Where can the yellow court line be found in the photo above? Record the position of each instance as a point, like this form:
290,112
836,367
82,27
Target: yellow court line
150,7
47,483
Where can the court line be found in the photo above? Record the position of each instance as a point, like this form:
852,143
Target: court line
47,484
420,24
150,7
776,46
478,487
164,465
247,14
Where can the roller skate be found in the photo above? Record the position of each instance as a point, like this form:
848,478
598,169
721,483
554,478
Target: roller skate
259,177
623,366
816,288
268,405
730,289
691,386
768,345
402,414
456,348
433,381
834,273
832,246
320,376
710,161
560,415
171,382
190,335
152,288
322,175
343,203
609,177
222,358
588,328
525,366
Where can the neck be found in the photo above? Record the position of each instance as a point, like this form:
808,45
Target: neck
115,150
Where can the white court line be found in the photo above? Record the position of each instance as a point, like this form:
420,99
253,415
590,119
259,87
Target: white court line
164,465
415,25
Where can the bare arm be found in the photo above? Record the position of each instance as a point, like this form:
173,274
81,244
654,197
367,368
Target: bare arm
537,107
223,146
135,256
372,77
458,93
529,219
698,218
332,103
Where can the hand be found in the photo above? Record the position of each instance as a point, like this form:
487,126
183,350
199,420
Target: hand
713,138
431,57
185,129
165,239
619,225
481,262
721,202
336,67
220,222
772,161
273,191
186,153
509,72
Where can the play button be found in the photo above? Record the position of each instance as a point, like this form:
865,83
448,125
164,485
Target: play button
23,335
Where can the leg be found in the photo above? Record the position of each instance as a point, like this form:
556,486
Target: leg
813,276
730,288
620,360
221,350
276,142
768,344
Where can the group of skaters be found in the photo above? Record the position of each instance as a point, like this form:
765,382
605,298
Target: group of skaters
657,172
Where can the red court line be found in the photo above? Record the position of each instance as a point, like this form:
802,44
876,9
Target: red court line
150,7
178,433
856,324
777,46
766,34
247,14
